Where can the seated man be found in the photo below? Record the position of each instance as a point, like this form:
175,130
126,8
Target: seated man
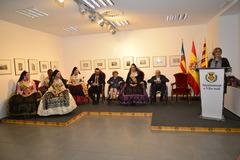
95,81
158,84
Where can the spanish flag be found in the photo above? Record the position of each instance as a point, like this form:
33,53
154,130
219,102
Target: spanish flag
183,68
193,77
204,60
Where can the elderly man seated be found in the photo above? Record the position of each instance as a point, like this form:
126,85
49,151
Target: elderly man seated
158,84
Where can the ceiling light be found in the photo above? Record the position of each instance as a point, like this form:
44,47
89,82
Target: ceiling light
60,3
71,29
103,3
101,22
122,23
81,9
94,1
177,17
92,17
89,4
31,12
110,2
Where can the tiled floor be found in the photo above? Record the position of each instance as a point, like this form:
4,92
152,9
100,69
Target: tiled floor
113,138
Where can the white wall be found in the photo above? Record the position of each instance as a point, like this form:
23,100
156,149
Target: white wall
139,43
229,37
21,42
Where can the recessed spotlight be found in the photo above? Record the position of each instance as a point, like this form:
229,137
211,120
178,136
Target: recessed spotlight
31,12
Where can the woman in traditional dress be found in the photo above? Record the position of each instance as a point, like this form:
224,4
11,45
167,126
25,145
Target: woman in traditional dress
77,87
114,85
57,100
134,90
26,100
45,85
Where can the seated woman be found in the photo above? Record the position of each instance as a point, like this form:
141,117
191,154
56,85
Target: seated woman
77,87
134,90
57,100
26,100
115,82
45,85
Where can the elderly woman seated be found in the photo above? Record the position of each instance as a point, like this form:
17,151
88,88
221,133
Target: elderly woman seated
134,90
115,83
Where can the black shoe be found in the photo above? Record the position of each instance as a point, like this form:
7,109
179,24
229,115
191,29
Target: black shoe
154,100
133,104
97,102
94,103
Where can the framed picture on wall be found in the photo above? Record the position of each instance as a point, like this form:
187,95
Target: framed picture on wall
143,62
44,66
5,66
174,61
85,64
54,65
20,65
127,61
159,61
100,63
33,66
114,63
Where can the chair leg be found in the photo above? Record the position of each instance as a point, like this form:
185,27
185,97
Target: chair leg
172,98
190,98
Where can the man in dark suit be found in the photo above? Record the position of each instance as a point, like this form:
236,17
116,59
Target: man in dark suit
158,84
95,81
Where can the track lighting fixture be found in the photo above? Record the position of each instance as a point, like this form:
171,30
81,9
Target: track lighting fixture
88,6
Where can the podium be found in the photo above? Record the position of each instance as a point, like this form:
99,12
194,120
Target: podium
212,92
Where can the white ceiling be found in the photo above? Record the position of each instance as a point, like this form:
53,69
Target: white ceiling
142,14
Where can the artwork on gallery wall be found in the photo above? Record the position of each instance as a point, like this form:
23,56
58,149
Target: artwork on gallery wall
20,65
85,65
100,63
174,61
127,61
44,66
143,62
33,66
159,61
5,66
114,63
54,65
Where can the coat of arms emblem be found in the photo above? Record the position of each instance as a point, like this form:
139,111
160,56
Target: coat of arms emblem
211,77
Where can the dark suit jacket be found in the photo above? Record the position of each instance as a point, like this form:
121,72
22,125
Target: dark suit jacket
101,79
162,78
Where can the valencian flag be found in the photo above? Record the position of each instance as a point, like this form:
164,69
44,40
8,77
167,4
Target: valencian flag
193,77
204,60
183,68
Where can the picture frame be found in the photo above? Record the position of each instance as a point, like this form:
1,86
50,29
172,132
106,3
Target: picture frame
44,66
127,62
114,63
159,61
143,62
174,60
100,63
5,66
54,65
32,66
20,65
85,64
